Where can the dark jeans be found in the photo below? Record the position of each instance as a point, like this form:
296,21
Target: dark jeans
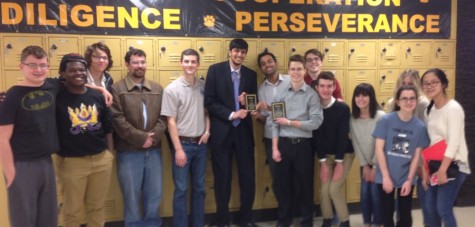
404,207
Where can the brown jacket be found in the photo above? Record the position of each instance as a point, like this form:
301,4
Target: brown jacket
127,110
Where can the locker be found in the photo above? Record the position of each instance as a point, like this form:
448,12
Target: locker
416,53
361,53
277,48
383,100
390,53
443,53
211,52
450,72
252,52
334,52
13,45
267,195
169,51
300,47
387,80
60,46
115,46
113,205
117,74
340,76
146,45
357,76
11,77
168,76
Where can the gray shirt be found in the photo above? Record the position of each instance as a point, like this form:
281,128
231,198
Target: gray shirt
267,93
302,105
363,142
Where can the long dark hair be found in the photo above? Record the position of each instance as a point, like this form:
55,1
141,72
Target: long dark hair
443,80
364,89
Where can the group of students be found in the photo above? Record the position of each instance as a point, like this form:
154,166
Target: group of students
70,116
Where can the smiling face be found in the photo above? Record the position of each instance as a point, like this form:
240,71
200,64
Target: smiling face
35,70
137,66
432,85
407,101
296,71
75,75
313,63
268,65
325,88
190,65
100,60
237,56
362,101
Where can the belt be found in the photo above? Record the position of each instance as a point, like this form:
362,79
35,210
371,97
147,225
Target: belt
186,139
296,140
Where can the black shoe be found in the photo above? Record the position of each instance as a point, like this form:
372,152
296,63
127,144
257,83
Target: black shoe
345,224
249,224
327,223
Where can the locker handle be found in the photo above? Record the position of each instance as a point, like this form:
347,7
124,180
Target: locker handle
267,189
9,46
439,49
292,49
201,49
54,47
384,50
408,50
163,49
383,77
326,50
383,103
352,50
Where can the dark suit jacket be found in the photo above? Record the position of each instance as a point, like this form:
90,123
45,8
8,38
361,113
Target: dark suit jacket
219,100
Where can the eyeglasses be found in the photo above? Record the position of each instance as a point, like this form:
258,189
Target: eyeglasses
104,58
42,66
315,59
407,100
430,84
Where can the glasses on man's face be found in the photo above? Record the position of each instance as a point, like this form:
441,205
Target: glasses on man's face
41,66
104,58
315,59
430,84
407,100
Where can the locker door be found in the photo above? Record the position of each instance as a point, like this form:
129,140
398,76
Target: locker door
353,183
387,80
169,52
390,53
361,53
60,46
334,53
357,76
115,46
117,74
277,48
168,76
301,46
384,100
416,53
340,76
13,45
451,77
11,77
211,52
146,45
443,54
252,52
267,195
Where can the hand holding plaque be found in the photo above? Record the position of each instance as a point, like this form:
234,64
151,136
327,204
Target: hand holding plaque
251,102
278,110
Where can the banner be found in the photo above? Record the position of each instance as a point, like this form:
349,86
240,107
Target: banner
364,19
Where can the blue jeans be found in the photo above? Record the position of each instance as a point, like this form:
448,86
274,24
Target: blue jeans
371,206
421,195
195,168
440,201
140,173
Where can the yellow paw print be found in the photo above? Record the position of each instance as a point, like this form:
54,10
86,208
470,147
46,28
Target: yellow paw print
209,20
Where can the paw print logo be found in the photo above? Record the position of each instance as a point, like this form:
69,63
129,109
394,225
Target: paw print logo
209,21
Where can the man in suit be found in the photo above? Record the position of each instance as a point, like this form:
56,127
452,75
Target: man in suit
227,84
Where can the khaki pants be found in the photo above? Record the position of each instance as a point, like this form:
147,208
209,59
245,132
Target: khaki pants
85,182
333,191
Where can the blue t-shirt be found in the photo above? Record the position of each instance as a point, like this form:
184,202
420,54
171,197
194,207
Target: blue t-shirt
401,140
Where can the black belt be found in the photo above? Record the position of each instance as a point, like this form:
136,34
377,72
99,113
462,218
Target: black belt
186,139
295,140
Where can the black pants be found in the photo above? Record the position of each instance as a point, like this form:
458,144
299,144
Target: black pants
235,144
297,164
404,207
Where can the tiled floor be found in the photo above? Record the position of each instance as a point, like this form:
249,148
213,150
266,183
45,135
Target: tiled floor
464,217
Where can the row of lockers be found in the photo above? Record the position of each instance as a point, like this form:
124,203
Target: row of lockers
165,52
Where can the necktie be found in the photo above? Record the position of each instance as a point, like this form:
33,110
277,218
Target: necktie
235,77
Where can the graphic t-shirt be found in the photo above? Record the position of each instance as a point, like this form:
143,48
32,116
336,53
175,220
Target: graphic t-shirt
401,140
32,111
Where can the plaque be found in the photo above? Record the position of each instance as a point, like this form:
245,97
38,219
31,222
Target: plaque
251,102
278,110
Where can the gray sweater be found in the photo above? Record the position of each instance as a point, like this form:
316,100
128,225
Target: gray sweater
363,142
